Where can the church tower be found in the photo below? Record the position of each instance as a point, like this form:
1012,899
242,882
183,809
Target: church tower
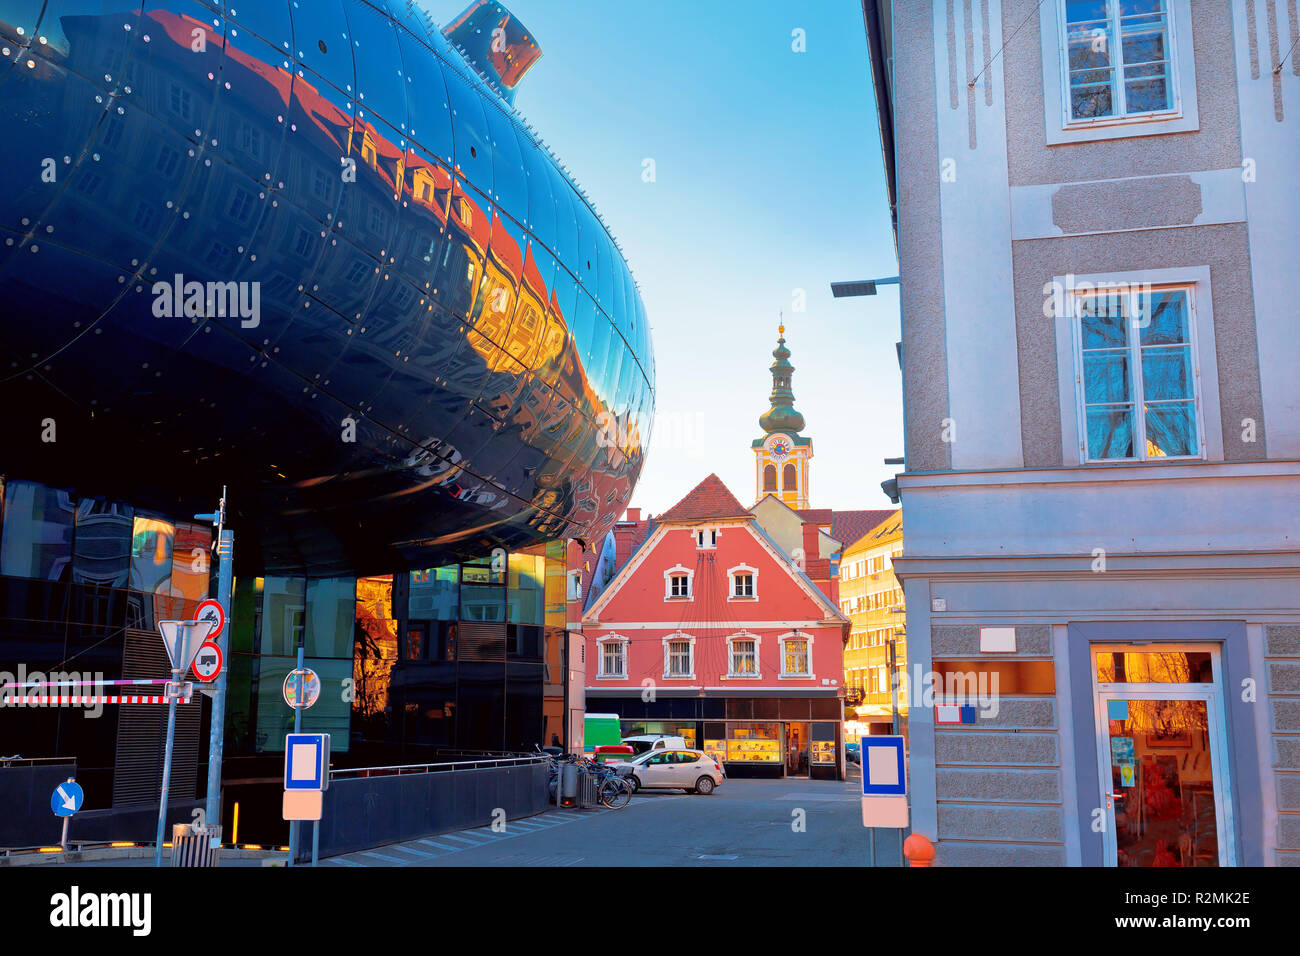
782,455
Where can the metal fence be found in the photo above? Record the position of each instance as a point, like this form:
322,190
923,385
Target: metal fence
367,807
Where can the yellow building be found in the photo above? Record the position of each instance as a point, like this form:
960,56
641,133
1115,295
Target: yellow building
872,599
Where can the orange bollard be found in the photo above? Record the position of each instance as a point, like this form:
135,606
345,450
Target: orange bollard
918,850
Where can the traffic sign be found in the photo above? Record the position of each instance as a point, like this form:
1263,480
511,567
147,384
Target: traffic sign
306,762
884,782
212,612
67,799
883,774
207,663
310,687
182,639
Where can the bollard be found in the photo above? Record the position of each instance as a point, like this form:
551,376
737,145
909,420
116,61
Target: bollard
918,850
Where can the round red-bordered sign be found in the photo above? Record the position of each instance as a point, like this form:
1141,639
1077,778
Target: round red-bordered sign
207,662
211,610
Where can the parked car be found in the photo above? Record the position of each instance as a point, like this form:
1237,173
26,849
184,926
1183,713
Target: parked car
691,770
641,743
853,752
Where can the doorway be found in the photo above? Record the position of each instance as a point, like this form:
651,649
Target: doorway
796,749
1162,755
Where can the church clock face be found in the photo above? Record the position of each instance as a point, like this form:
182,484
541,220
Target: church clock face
780,448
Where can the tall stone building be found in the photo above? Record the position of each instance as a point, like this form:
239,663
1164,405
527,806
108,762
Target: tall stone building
1095,210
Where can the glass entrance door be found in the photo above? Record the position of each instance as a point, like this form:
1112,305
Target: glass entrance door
1162,756
796,749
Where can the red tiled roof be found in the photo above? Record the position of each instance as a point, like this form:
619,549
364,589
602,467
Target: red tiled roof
817,515
709,499
848,526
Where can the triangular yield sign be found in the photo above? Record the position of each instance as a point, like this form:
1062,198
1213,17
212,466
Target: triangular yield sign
183,640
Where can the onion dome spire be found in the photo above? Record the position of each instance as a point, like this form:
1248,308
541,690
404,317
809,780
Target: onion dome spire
781,417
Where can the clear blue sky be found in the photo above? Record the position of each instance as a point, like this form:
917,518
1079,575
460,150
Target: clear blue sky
768,179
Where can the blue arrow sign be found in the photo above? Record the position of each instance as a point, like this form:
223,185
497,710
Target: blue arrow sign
66,799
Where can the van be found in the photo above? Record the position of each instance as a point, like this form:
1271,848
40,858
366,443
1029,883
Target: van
640,743
599,730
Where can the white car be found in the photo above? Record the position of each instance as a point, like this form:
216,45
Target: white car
691,770
640,743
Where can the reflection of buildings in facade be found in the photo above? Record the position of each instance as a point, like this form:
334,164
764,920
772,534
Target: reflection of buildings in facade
446,333
458,300
876,653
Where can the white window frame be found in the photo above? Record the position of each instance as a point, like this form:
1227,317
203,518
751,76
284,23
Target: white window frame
671,638
796,636
575,586
675,571
601,644
732,673
1069,346
1061,128
731,583
706,539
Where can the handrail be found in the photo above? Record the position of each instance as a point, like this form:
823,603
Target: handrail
6,762
453,766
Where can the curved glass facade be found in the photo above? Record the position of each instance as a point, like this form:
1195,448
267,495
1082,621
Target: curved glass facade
303,249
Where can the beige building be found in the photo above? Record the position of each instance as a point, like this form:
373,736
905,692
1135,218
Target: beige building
876,653
1096,216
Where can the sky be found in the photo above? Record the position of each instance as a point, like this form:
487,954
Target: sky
767,180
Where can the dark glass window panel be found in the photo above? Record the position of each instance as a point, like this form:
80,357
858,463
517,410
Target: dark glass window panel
1105,377
473,149
537,177
102,549
1146,95
38,531
1167,373
284,615
1163,318
1087,102
1110,432
566,220
435,593
1171,429
509,181
331,613
1102,318
527,588
269,19
323,43
381,77
1077,11
151,554
1154,667
428,112
191,564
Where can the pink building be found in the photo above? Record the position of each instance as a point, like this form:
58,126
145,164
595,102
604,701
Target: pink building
710,632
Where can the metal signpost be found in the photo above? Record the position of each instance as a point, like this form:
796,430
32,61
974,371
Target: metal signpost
65,801
306,778
301,690
217,688
182,639
884,785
